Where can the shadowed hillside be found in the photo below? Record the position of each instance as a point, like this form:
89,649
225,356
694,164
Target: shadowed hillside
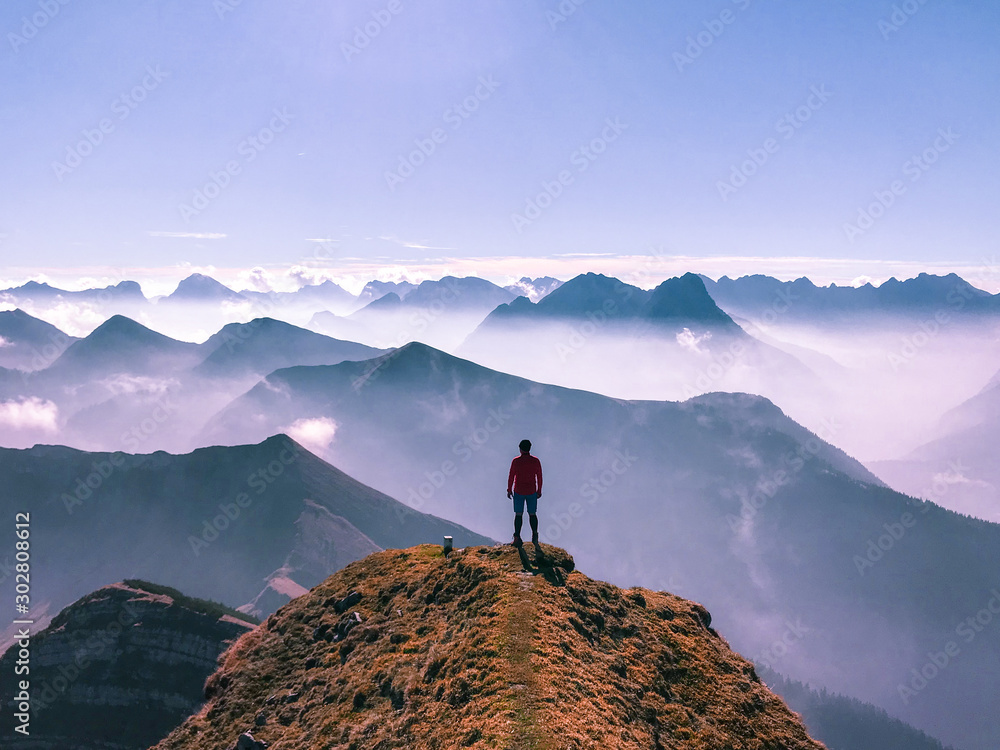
482,649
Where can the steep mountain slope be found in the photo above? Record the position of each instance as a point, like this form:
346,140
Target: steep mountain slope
601,334
473,650
754,296
534,289
264,345
120,345
441,313
198,288
27,343
843,723
722,495
221,523
887,353
118,669
959,469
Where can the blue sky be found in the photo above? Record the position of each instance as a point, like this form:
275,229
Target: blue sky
693,89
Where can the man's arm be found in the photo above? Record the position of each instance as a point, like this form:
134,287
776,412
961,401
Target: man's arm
538,473
510,480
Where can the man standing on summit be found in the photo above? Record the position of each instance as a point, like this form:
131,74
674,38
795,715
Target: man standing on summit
524,485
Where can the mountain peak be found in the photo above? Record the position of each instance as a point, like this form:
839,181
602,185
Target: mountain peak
486,647
200,288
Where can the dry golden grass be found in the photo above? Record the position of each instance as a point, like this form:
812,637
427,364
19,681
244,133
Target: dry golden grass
473,651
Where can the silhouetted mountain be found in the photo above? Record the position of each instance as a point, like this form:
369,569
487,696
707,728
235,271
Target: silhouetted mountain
722,494
375,289
802,301
958,469
198,288
220,523
534,289
120,668
27,343
43,294
122,345
412,649
264,345
600,334
843,723
321,296
441,313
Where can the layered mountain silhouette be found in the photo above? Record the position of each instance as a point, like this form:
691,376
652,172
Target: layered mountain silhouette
802,301
843,723
959,469
601,334
534,289
482,649
27,343
441,312
264,345
119,668
198,288
784,536
222,523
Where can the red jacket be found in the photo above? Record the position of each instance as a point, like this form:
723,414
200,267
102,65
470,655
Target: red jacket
524,470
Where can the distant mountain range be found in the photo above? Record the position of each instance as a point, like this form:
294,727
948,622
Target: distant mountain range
760,297
441,313
472,650
223,523
959,469
119,668
785,537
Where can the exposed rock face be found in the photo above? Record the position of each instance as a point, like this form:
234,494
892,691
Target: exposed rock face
486,648
118,669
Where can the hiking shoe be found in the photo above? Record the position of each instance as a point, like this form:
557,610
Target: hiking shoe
517,541
534,539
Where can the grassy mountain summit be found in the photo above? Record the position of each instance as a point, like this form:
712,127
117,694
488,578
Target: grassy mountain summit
486,648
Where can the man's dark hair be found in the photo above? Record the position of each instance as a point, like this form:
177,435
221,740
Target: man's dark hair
524,445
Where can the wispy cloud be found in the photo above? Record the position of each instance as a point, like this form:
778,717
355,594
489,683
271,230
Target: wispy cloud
189,235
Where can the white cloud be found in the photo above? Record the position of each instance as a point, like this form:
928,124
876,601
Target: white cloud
74,318
29,413
259,279
132,384
315,434
4,342
691,341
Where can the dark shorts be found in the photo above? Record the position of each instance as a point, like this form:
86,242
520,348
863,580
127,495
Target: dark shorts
520,500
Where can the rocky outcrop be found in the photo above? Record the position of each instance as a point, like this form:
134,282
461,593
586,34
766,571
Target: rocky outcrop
119,668
487,647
